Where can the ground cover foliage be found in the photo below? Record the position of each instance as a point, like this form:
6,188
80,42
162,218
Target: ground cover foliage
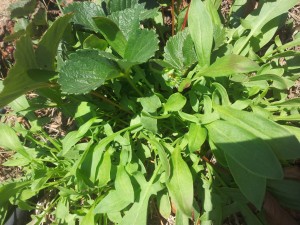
198,122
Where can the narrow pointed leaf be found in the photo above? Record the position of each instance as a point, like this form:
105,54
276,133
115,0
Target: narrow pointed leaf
250,151
47,47
272,133
201,29
180,185
247,182
229,65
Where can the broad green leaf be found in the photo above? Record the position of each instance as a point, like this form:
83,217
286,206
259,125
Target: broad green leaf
141,46
9,140
111,203
261,16
137,214
104,170
252,153
230,65
164,205
84,13
181,218
127,20
74,136
272,133
23,76
180,185
85,71
89,217
93,41
112,34
47,47
201,29
287,192
196,136
123,184
149,123
150,104
179,51
175,102
294,130
10,189
22,8
247,182
119,5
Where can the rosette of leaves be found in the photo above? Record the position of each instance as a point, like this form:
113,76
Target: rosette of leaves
201,122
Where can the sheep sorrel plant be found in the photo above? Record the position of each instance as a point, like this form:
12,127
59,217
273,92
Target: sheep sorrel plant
197,124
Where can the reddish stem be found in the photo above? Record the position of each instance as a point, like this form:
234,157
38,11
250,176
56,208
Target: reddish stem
185,17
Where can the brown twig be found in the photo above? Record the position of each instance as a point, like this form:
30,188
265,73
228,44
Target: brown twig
185,18
173,17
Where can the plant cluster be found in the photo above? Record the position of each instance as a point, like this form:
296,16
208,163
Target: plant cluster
200,121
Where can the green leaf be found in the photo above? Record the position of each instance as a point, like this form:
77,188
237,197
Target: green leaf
119,5
164,205
261,16
196,136
47,47
85,71
84,13
175,102
127,20
118,199
74,136
247,182
89,217
181,218
93,41
294,102
287,192
123,184
10,140
179,51
230,65
104,170
22,8
279,82
201,29
149,123
141,46
252,153
112,34
180,185
150,104
272,133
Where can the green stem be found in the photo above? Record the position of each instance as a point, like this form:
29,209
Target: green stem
110,102
126,75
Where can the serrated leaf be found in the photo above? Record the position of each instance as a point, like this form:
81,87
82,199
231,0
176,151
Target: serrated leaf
273,134
119,5
84,13
196,136
85,71
252,153
127,20
247,182
112,34
229,65
201,29
179,51
175,102
180,185
141,46
47,47
22,8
